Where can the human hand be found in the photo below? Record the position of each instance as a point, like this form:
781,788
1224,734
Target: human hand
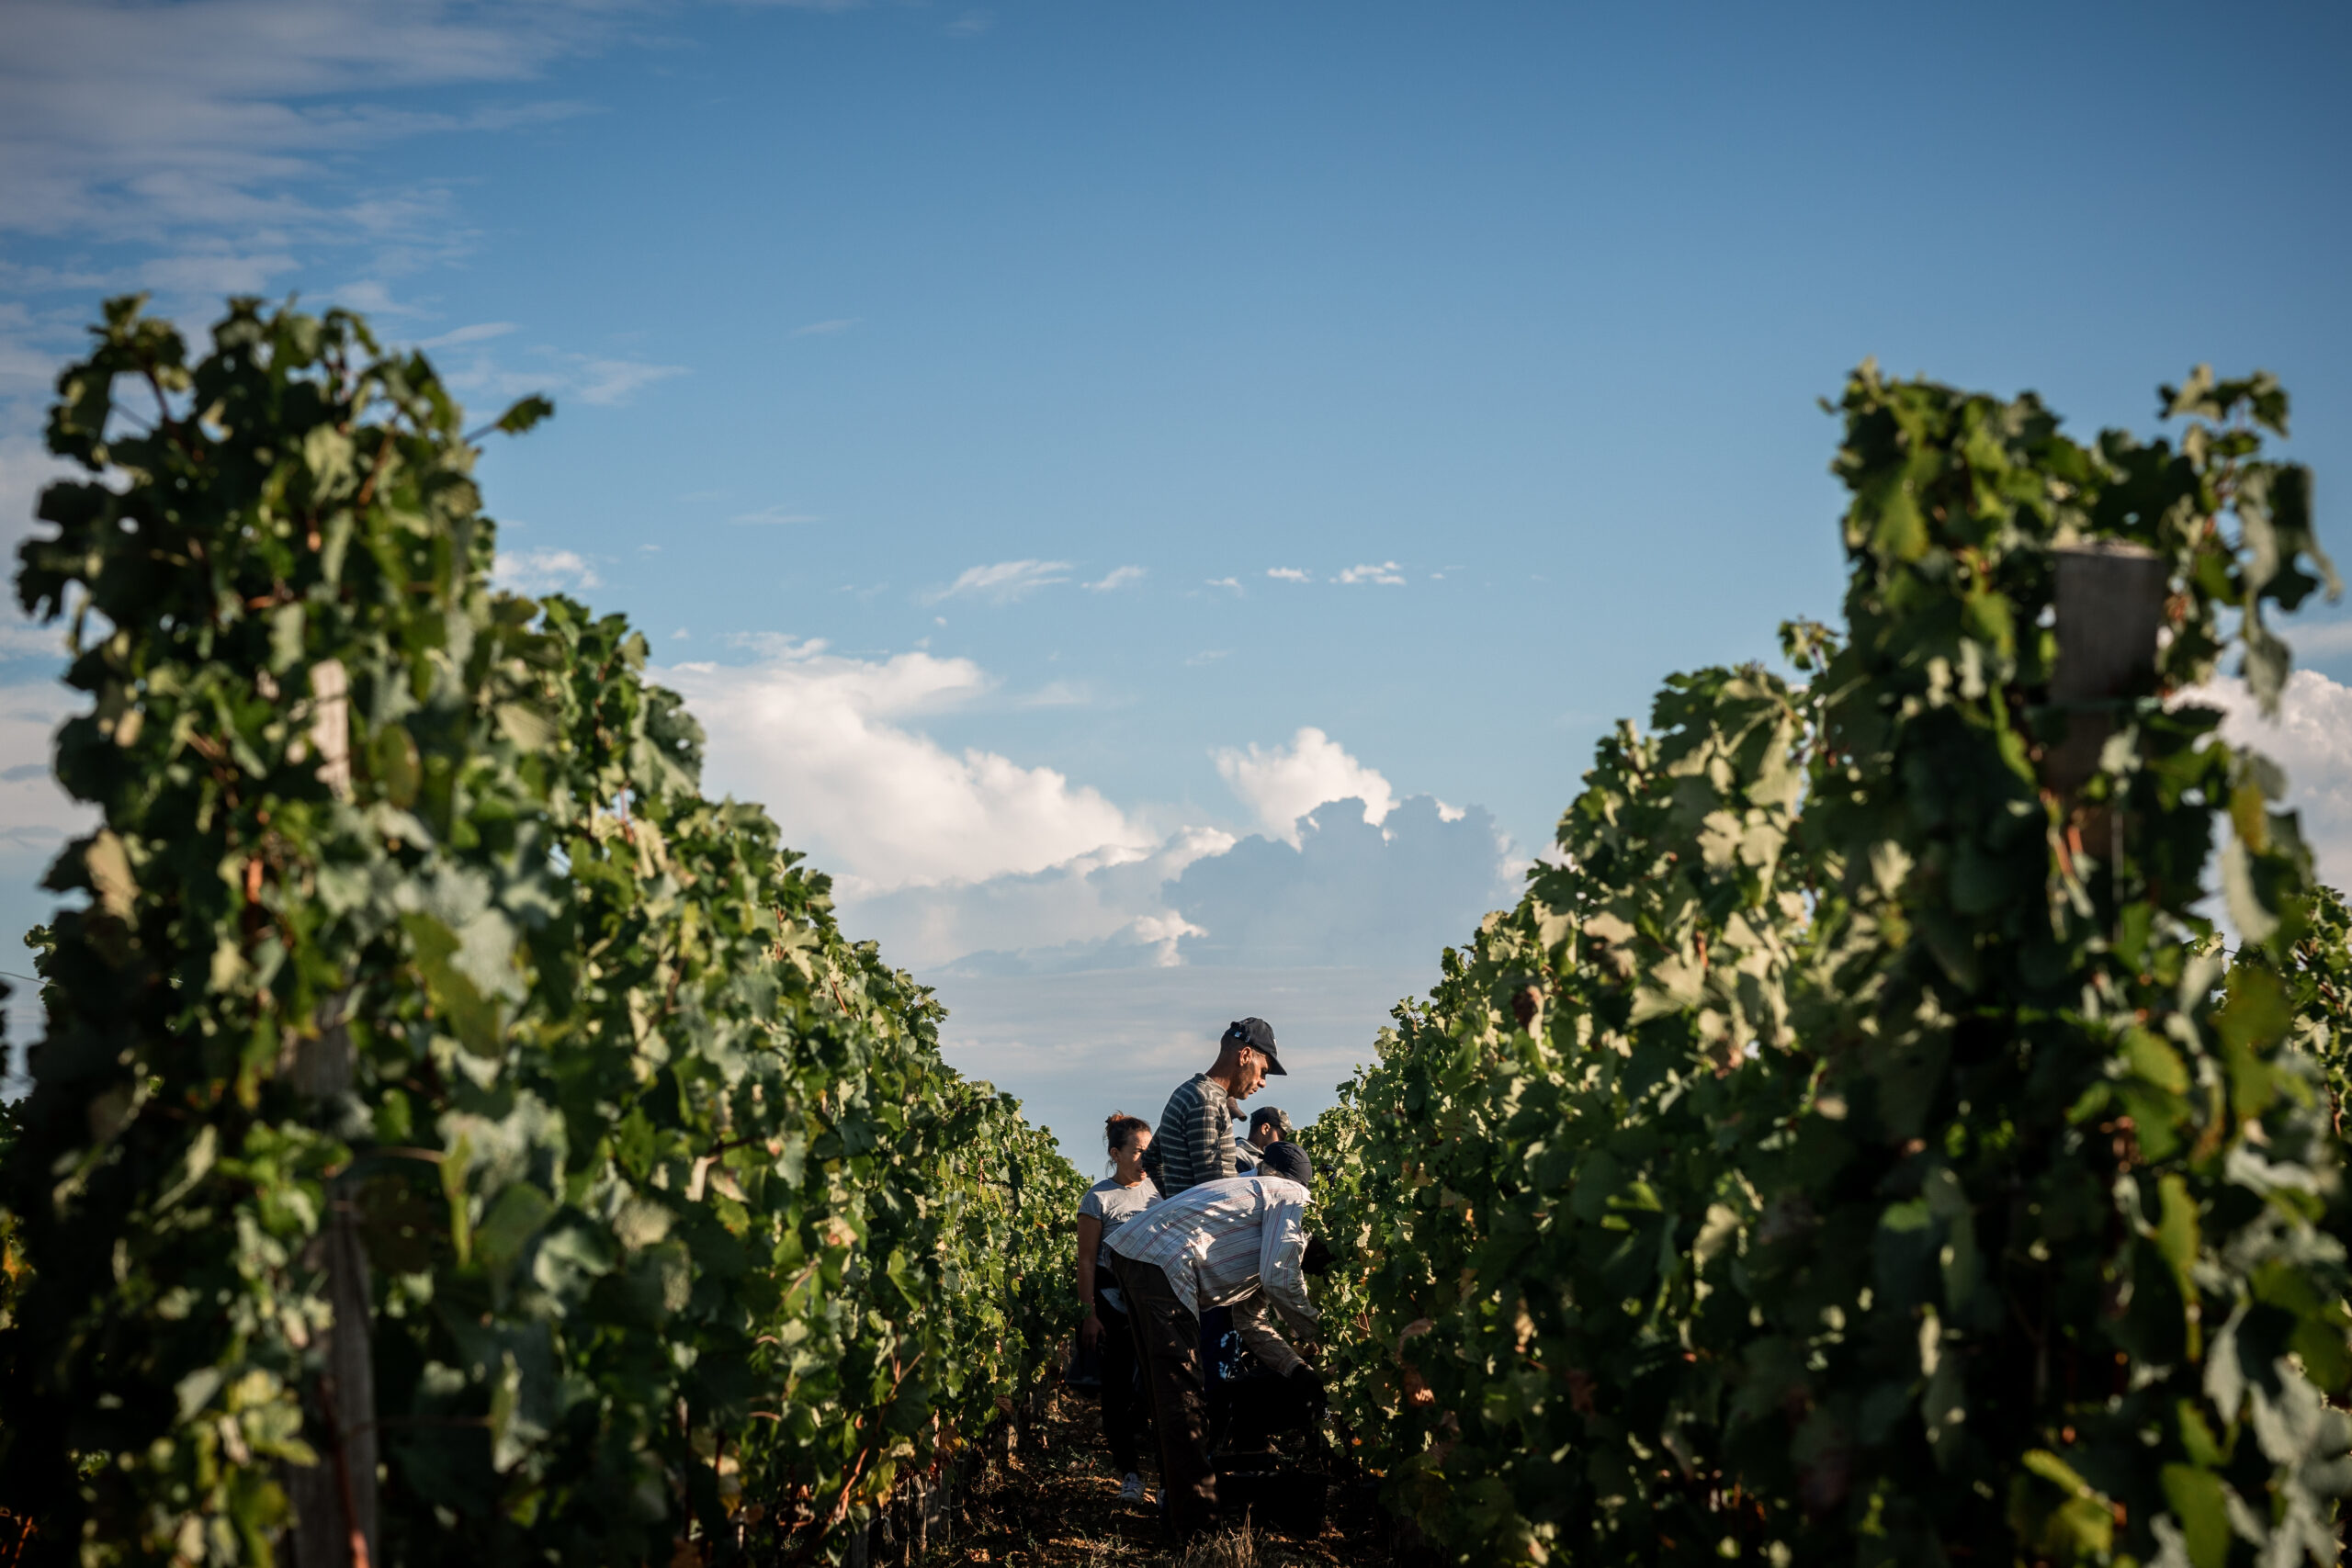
1090,1331
1309,1385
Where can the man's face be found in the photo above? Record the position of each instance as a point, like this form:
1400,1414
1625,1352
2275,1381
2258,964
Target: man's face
1253,1073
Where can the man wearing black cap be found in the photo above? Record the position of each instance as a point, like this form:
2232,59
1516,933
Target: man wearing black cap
1194,1142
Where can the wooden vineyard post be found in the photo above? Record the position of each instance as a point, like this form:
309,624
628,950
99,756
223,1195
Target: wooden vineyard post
334,1500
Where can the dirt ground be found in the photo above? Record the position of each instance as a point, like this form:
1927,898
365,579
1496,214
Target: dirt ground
1057,1505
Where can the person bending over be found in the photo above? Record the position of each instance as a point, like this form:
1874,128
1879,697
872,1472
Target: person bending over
1108,1205
1240,1242
1196,1141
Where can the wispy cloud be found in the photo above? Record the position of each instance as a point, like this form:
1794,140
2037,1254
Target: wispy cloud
481,332
1118,576
826,329
1232,582
1057,694
153,124
971,24
1386,573
1003,582
770,516
1288,574
542,572
596,379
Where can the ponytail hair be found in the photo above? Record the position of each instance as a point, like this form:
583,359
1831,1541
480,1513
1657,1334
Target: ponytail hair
1119,1130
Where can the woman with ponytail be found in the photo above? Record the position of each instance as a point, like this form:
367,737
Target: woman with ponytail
1107,1205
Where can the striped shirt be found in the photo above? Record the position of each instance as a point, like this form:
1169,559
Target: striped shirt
1194,1142
1235,1243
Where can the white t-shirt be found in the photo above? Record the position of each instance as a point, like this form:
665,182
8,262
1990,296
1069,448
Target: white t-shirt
1114,1205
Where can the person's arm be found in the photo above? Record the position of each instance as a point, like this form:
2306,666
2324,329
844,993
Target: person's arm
1212,1140
1259,1336
1090,1242
1282,1251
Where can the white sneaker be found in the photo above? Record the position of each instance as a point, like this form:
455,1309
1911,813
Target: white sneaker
1131,1489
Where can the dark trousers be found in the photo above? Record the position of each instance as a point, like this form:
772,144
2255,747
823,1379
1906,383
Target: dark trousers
1125,1403
1168,1344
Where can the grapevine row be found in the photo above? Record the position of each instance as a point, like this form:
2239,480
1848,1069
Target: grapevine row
1854,1147
455,1137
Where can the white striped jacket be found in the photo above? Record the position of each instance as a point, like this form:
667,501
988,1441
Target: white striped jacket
1235,1243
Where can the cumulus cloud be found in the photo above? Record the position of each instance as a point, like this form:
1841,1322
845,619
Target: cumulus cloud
1349,894
1386,573
2312,738
1352,890
1003,582
1077,1046
825,742
1105,909
1288,574
1118,576
542,572
1282,784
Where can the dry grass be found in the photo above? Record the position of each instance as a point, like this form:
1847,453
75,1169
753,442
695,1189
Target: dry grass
1060,1508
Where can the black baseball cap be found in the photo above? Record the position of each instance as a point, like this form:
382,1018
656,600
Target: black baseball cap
1287,1161
1259,1036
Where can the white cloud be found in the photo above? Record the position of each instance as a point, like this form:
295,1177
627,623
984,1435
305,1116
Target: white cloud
1105,909
542,572
1118,576
1282,784
1076,1046
210,272
1232,582
1289,574
23,639
34,814
155,124
596,379
823,742
826,329
1386,573
26,469
481,332
2312,738
1004,581
2323,639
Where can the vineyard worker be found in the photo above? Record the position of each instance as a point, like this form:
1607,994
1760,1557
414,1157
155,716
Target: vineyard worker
1109,1204
1241,1243
1268,1126
1196,1141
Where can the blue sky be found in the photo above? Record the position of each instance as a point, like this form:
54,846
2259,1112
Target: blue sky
1053,441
